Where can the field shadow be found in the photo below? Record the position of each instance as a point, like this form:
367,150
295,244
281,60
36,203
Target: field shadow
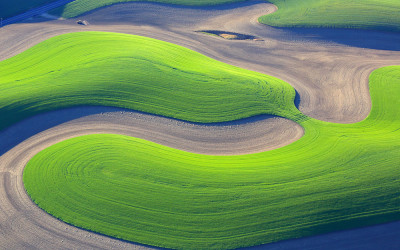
381,236
17,133
297,99
369,39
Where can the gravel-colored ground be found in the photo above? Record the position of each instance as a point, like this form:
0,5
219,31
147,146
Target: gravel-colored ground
328,68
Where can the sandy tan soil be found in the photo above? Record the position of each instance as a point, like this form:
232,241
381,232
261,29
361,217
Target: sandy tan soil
330,77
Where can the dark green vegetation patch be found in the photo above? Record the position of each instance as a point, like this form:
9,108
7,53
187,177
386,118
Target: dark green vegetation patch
337,176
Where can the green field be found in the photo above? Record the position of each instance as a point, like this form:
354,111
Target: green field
364,14
11,8
110,69
336,176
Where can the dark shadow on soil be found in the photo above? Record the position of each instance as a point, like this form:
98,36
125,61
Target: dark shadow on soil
369,39
17,133
382,236
297,100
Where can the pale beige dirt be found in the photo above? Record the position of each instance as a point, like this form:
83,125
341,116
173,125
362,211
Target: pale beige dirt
331,79
228,36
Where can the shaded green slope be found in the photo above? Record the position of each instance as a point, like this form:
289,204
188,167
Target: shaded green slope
365,14
337,176
110,69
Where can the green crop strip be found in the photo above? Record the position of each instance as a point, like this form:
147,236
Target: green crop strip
110,69
337,176
364,14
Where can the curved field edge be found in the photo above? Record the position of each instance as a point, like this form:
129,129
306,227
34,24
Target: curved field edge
359,14
139,73
338,176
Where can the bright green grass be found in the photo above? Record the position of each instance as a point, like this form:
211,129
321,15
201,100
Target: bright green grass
337,176
110,69
79,7
9,8
365,14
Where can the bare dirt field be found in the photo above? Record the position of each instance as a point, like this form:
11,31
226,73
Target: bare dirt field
328,68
